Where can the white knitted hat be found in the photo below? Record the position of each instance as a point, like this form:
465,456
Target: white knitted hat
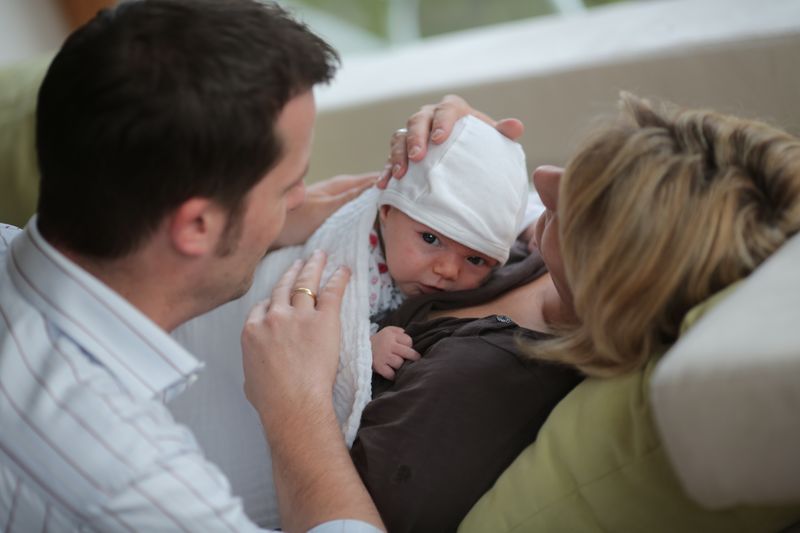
472,188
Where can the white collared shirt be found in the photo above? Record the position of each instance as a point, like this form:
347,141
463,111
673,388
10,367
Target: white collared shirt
86,442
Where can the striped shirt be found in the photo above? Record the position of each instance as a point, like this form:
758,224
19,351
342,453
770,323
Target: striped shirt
86,443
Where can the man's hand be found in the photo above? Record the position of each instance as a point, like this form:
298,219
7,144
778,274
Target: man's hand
391,347
290,344
435,122
290,347
322,199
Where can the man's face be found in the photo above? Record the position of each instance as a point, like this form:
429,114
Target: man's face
267,203
421,260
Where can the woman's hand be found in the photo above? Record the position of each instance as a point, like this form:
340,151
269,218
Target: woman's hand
322,199
290,343
435,122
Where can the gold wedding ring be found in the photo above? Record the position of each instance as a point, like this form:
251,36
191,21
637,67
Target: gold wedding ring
305,290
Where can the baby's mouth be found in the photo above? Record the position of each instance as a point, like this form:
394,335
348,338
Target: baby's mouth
428,289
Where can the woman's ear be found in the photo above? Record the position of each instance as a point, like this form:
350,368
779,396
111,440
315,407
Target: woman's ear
546,180
196,226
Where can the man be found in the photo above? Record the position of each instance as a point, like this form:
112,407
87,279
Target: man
172,139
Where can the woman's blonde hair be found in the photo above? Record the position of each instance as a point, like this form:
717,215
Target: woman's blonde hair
658,212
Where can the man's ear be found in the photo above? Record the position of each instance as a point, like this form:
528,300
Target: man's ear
196,225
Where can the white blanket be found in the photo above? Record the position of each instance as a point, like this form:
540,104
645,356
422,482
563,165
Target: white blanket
345,236
215,408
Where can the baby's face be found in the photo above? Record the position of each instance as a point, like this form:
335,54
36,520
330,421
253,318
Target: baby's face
422,261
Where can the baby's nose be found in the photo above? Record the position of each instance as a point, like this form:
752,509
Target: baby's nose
448,266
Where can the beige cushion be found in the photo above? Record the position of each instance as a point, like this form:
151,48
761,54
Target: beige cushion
726,399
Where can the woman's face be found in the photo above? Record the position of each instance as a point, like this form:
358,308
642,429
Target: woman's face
546,179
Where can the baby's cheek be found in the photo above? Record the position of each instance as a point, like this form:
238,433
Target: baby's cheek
476,280
405,290
488,274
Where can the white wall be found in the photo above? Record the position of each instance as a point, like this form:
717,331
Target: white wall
29,28
555,73
738,56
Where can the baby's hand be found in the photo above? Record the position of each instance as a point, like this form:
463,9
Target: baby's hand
391,347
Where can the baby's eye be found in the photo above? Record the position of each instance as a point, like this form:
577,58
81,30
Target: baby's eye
477,261
430,238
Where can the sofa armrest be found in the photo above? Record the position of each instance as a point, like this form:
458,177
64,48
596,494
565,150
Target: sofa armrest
726,397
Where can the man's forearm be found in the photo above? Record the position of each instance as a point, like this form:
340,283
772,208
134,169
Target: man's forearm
315,479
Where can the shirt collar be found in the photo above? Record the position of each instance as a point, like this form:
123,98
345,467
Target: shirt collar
141,355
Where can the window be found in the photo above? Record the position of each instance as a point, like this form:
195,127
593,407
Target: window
354,26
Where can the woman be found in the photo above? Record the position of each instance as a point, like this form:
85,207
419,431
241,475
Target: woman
710,196
654,214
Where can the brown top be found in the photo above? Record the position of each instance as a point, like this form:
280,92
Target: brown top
434,440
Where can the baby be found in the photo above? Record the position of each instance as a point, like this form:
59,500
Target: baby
443,227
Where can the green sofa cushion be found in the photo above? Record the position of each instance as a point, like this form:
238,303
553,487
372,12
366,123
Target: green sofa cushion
598,465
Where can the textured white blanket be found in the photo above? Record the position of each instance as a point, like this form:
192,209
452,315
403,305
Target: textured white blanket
215,408
345,236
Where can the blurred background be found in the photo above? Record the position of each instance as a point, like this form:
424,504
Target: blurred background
353,26
555,64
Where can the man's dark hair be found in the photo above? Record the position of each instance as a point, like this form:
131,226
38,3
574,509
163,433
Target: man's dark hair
158,101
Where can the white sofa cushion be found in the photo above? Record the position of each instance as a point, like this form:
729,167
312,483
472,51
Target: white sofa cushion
726,397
